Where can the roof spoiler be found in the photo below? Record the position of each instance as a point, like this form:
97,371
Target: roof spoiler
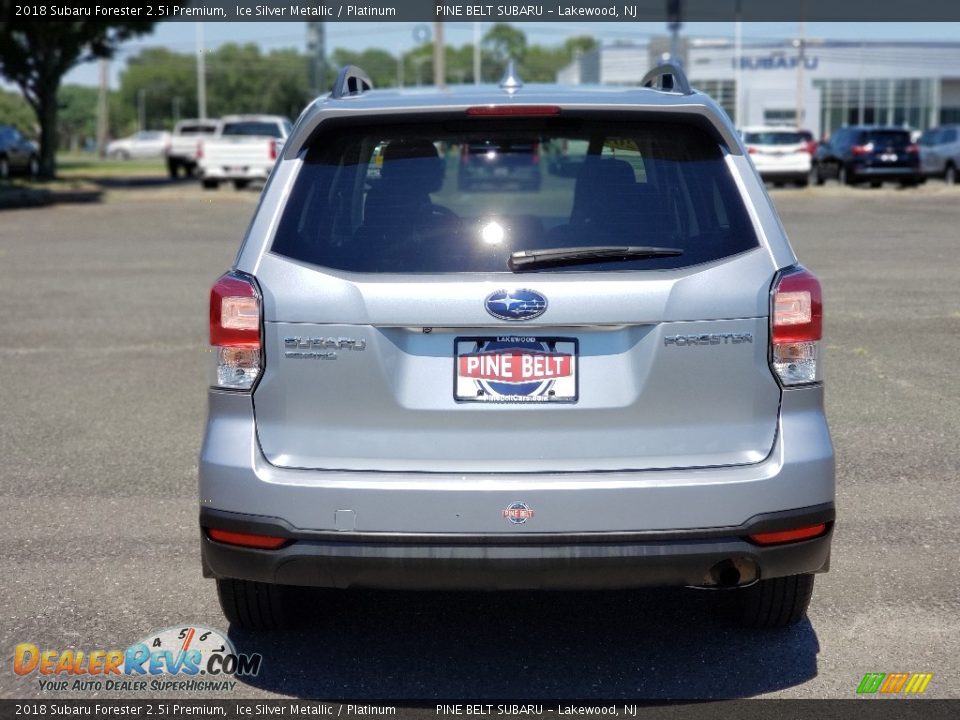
667,77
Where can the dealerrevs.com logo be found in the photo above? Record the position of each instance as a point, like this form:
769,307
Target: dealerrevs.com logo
185,658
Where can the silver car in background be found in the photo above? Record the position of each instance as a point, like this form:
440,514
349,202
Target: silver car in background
940,153
611,381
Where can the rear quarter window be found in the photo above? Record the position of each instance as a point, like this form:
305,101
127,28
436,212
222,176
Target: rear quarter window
460,197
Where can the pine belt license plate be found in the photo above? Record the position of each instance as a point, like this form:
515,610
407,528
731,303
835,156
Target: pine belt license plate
515,369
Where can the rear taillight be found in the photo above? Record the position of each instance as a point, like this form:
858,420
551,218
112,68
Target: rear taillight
199,149
751,150
810,146
513,110
273,149
913,149
796,327
235,332
860,150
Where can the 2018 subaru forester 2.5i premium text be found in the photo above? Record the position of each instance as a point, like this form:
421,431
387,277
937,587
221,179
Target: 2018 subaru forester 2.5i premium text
611,379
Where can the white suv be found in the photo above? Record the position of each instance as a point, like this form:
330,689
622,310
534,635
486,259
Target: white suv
780,154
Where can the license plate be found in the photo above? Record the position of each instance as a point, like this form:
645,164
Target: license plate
889,157
501,172
235,169
515,369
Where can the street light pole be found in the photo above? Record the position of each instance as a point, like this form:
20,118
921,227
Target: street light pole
142,108
439,57
476,53
201,75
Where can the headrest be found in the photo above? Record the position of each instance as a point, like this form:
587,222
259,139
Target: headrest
414,164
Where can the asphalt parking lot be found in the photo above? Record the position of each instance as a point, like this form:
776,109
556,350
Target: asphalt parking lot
103,320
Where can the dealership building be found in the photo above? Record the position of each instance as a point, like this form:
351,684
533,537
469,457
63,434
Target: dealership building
825,83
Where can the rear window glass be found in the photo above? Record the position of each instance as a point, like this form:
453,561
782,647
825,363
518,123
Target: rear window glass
888,137
773,138
462,196
269,129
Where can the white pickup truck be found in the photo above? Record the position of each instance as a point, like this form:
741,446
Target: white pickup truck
244,149
181,151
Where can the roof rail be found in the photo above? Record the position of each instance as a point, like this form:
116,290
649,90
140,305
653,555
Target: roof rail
667,77
351,80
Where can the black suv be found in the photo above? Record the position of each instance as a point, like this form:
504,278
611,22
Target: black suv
867,153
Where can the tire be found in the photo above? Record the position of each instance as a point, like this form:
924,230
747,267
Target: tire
240,184
802,182
774,603
876,183
120,155
252,605
815,176
844,177
950,175
4,168
210,184
173,168
33,166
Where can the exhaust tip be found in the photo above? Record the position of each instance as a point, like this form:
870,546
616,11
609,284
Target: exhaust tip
732,572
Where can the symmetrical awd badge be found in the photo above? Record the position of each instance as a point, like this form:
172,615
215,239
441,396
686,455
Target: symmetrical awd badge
515,304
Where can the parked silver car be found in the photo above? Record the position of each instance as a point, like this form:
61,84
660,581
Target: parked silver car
940,152
613,381
143,144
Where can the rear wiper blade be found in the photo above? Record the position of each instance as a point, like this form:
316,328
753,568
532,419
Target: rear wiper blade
533,259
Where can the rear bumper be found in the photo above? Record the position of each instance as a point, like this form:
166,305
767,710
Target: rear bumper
449,530
239,172
599,561
887,173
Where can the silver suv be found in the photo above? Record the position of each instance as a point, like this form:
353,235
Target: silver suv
609,379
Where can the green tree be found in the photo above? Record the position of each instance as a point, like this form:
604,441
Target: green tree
380,65
14,110
502,43
167,82
242,80
77,116
36,56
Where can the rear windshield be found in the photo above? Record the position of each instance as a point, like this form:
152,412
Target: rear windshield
886,137
269,129
197,129
448,198
773,138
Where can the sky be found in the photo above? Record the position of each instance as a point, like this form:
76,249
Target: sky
399,36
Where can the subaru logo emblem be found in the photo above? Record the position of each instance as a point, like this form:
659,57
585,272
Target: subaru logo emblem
515,304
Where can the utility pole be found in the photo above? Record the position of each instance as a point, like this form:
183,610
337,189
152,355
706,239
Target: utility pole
476,54
801,45
738,69
103,108
201,75
674,24
317,57
439,57
142,108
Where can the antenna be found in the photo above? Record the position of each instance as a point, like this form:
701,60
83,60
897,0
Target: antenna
511,81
